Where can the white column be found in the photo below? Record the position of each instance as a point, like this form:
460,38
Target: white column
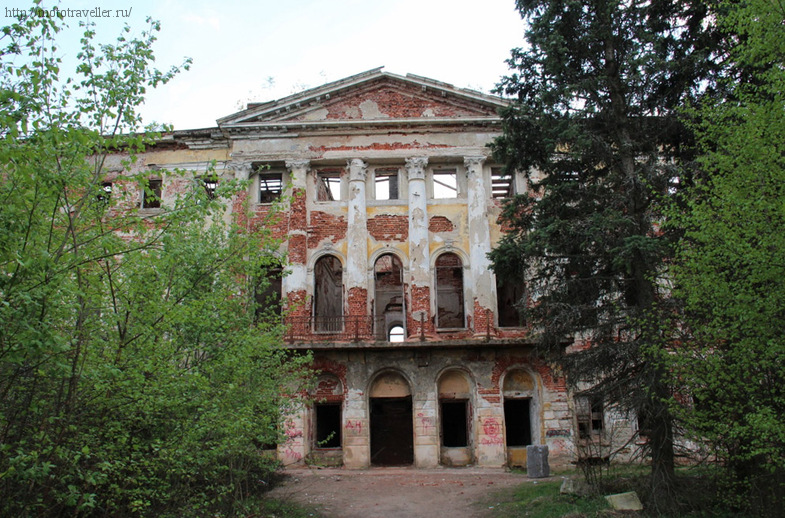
357,233
484,289
419,252
419,249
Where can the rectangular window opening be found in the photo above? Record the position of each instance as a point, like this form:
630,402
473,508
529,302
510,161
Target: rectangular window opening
151,197
386,184
502,186
517,422
454,424
106,192
328,186
445,183
270,187
509,297
328,425
210,184
589,414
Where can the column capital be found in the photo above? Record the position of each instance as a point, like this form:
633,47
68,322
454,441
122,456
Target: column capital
305,164
358,169
473,163
415,167
242,170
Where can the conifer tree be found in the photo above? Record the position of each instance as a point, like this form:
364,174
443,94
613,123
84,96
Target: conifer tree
596,128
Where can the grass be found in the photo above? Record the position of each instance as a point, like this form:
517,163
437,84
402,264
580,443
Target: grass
542,500
274,508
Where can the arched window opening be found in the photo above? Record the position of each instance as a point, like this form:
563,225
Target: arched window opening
388,298
396,334
328,295
449,292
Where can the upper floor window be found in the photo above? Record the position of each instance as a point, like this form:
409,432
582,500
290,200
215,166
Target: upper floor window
386,184
270,186
328,294
449,292
328,185
502,185
445,183
210,184
105,194
151,194
267,293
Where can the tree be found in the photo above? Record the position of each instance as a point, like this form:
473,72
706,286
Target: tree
595,125
133,379
729,270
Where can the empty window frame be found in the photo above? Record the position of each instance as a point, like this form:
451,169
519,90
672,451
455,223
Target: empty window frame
328,185
449,292
151,194
445,183
328,295
386,184
270,187
210,184
397,334
502,186
517,421
589,414
509,296
105,194
267,294
328,425
454,423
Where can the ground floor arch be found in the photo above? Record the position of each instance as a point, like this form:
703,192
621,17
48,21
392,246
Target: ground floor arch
391,421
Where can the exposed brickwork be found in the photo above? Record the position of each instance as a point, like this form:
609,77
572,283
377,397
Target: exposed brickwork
298,215
388,227
297,249
325,225
325,390
394,146
550,379
399,102
483,319
420,302
358,301
440,224
297,303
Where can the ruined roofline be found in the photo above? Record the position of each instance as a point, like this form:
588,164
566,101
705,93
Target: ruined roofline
255,110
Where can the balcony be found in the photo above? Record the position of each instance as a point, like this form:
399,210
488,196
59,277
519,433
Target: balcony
345,328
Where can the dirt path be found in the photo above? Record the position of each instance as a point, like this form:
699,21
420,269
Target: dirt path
398,492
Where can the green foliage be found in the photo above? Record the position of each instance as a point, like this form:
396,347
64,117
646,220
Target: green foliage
133,379
596,128
542,500
730,267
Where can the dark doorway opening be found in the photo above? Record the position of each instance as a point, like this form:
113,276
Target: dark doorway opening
454,424
328,425
517,421
392,432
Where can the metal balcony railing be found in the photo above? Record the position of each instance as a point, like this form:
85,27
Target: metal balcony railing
344,328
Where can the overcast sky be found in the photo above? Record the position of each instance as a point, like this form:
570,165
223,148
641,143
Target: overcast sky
265,50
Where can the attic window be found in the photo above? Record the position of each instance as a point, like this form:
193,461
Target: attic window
502,185
270,187
386,184
328,186
445,183
151,195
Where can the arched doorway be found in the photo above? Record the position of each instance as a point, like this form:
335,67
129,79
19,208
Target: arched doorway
455,418
519,391
392,430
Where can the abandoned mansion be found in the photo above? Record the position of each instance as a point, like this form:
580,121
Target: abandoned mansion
391,207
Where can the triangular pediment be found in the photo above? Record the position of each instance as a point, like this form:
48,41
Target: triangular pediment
371,96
